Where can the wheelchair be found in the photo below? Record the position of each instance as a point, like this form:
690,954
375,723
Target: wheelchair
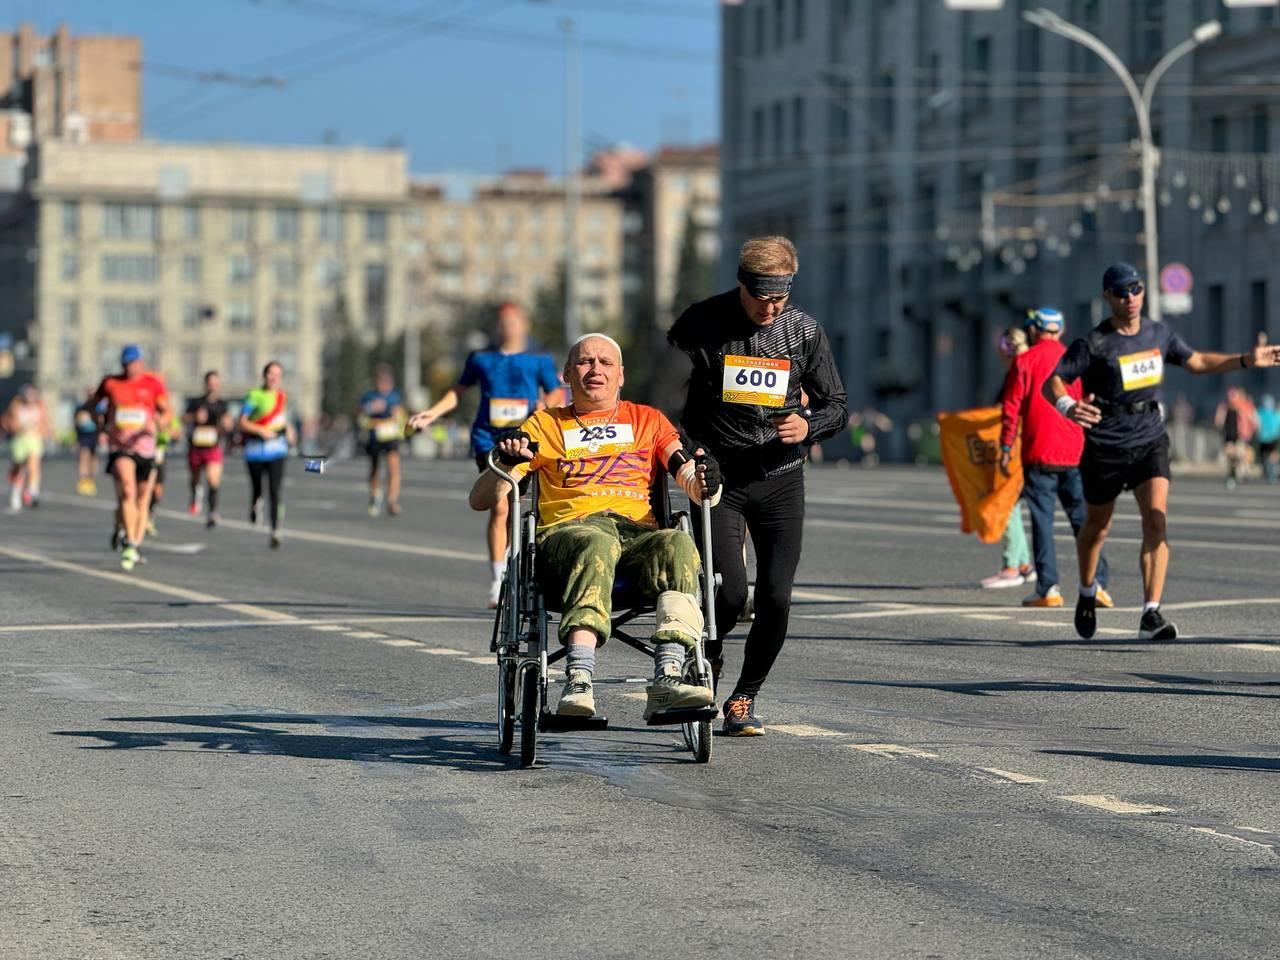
522,626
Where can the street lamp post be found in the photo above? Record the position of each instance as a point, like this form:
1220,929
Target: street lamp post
1142,98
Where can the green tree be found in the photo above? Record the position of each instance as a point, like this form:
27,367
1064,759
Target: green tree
696,274
344,362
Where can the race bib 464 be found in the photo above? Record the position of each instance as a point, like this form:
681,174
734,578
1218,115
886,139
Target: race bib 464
1139,370
756,380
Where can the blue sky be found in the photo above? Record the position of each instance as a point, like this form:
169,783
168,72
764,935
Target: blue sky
472,85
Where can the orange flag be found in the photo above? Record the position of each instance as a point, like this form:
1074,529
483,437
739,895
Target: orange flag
971,454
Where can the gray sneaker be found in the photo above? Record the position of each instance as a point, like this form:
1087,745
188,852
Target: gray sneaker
670,692
577,698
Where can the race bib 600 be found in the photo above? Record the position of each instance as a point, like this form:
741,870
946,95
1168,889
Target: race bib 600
756,380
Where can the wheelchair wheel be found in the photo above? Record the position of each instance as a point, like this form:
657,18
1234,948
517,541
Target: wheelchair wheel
506,705
698,737
529,708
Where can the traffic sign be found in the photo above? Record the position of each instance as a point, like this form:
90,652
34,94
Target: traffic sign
1175,278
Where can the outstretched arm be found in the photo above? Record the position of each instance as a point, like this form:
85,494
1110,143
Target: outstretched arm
1259,356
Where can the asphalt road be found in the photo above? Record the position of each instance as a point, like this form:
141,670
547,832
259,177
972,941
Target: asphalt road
240,753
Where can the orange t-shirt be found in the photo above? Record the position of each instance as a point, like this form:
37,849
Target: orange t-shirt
595,463
131,412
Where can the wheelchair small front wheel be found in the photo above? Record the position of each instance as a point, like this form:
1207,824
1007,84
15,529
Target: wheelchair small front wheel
529,709
506,704
698,736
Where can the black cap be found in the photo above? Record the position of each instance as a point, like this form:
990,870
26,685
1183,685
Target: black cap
1120,275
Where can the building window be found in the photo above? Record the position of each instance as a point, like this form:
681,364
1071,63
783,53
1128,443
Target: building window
132,221
375,226
1217,316
328,272
70,314
779,130
284,315
70,266
240,315
191,270
70,358
192,315
798,19
191,221
70,218
128,268
287,224
759,32
242,223
779,24
330,225
191,362
287,271
797,125
240,270
129,314
1261,126
1218,134
375,294
240,365
510,250
288,360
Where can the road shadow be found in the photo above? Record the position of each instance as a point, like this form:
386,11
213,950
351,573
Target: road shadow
865,586
986,688
466,745
1112,645
1197,761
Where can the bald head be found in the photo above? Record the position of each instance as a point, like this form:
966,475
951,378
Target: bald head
593,370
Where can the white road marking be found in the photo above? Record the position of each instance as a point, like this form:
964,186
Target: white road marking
821,597
803,730
188,549
363,634
636,695
1227,836
181,593
399,642
1011,776
1043,623
892,750
1118,632
482,661
1115,805
1262,647
323,626
443,651
988,616
908,610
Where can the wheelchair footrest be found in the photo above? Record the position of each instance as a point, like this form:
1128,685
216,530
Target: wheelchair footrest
670,717
556,723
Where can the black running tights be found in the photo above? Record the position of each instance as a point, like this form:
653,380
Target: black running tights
773,510
273,471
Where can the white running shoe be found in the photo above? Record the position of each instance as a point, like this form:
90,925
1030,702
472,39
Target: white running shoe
495,592
1008,577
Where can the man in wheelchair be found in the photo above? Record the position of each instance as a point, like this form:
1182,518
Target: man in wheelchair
595,460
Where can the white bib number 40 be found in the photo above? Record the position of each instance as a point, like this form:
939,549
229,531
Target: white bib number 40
1141,370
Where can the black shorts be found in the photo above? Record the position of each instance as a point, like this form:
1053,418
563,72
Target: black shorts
1106,472
142,466
376,448
482,464
87,441
1266,449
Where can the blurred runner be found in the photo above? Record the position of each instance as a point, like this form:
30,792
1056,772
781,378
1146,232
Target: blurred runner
154,491
1120,364
1268,436
1016,569
1236,419
514,382
264,420
381,413
27,424
136,401
87,437
208,426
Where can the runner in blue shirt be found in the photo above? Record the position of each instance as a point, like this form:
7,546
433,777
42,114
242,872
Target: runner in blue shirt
514,383
1120,365
380,414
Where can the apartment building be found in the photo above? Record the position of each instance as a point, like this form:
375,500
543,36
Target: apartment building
879,135
481,240
210,256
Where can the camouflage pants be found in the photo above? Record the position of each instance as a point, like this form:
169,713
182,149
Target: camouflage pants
580,560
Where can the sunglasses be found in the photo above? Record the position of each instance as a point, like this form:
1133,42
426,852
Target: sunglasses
767,299
1128,290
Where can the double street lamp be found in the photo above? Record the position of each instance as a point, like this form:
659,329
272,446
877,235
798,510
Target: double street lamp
1048,20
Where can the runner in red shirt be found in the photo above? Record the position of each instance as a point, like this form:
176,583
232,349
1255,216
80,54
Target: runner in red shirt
136,402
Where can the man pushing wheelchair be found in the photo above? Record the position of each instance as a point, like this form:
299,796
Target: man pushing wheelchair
595,461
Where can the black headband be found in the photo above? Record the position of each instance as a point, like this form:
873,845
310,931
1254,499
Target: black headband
765,284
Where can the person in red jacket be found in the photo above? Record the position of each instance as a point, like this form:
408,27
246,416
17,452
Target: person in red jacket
1051,449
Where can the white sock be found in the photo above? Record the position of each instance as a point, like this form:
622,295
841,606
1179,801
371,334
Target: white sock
1149,605
499,569
35,489
15,496
1090,591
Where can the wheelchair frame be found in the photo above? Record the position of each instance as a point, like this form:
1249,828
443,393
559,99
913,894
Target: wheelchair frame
521,628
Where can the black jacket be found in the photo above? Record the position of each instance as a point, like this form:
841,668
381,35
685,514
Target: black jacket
742,436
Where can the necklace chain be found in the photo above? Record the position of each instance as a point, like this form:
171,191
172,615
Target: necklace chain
594,445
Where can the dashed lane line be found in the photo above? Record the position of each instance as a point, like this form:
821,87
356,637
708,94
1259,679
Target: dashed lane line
804,730
443,651
1011,776
1230,836
141,583
893,750
1115,804
1260,647
327,625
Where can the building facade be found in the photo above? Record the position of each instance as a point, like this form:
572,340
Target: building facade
482,240
943,171
210,257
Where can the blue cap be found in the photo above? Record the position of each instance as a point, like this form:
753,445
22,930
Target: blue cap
1120,275
130,353
1048,319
